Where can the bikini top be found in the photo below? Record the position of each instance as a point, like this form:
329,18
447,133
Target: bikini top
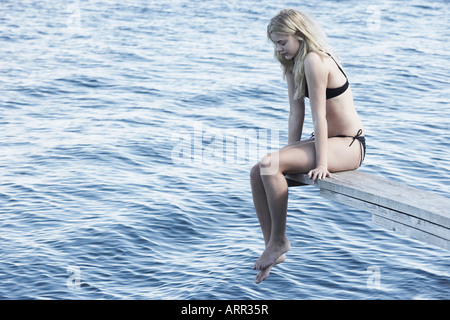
332,92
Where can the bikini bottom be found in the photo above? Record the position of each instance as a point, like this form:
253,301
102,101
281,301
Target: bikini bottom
359,137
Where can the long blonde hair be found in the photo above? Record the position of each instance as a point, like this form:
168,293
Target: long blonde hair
290,22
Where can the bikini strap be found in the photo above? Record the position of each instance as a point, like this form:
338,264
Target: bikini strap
358,134
337,65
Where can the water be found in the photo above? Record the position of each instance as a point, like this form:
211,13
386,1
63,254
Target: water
103,102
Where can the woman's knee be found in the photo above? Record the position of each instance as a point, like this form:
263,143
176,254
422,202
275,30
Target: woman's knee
270,164
266,160
264,167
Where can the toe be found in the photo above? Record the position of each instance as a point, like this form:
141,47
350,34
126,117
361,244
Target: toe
261,276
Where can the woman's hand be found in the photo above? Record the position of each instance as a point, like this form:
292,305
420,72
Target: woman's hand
320,173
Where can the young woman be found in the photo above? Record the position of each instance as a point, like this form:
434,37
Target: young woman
311,71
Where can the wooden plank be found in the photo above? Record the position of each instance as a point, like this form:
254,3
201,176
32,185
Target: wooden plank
386,213
419,214
390,194
411,232
385,193
294,183
300,178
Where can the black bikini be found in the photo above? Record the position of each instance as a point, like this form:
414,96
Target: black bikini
334,92
362,143
359,137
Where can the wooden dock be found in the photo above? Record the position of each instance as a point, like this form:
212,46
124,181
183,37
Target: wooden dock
416,213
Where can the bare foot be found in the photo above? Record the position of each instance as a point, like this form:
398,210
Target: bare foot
263,274
271,254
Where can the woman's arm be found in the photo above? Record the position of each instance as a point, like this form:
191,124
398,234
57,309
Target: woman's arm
296,111
317,78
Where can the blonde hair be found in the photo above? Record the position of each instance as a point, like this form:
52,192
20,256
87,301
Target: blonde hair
290,22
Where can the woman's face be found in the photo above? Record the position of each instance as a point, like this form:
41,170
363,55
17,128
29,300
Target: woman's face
286,45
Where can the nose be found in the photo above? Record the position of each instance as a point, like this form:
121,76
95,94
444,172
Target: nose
279,48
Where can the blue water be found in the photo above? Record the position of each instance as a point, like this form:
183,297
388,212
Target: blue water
122,172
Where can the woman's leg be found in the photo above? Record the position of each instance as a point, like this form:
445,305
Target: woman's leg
263,214
259,194
299,157
270,190
260,202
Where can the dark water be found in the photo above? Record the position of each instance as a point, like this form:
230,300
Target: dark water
129,129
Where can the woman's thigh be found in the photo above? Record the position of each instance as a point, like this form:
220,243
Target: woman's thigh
300,157
342,156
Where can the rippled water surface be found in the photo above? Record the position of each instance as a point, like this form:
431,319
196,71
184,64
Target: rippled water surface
124,175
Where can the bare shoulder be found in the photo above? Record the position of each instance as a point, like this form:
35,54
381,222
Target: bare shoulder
314,58
314,62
